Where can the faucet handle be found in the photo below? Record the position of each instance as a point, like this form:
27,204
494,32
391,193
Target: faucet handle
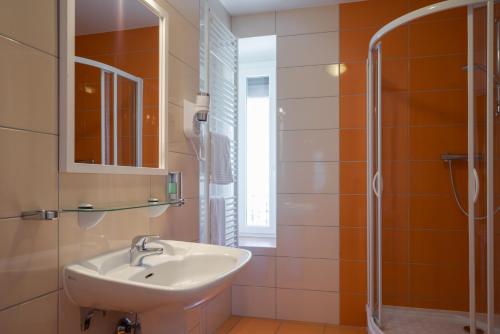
140,241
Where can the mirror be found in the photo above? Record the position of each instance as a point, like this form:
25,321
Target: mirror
115,92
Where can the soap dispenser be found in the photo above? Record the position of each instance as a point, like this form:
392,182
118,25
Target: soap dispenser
174,188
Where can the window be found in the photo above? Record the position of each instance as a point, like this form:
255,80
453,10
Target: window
257,136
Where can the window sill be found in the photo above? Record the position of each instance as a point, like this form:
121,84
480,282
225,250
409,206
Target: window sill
259,245
262,242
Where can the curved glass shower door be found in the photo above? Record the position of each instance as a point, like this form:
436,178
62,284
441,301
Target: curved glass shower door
430,172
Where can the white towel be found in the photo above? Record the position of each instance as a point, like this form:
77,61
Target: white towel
218,221
222,172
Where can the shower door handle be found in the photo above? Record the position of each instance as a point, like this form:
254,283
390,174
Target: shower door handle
375,183
477,185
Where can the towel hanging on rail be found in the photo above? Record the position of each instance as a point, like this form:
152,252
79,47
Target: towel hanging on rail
218,221
221,168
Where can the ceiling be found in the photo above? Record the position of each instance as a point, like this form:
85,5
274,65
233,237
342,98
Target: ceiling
97,16
242,7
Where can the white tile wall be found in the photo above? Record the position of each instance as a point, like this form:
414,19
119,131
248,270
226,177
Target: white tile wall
308,113
308,49
31,22
182,82
307,274
29,169
308,241
189,9
259,251
184,39
28,174
28,87
100,189
308,178
308,81
35,316
307,20
28,260
307,305
260,271
309,145
186,218
306,264
253,25
254,301
308,209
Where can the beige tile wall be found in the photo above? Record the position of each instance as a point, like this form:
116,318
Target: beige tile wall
254,25
32,253
28,172
299,280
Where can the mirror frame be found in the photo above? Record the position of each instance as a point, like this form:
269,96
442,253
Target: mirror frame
67,162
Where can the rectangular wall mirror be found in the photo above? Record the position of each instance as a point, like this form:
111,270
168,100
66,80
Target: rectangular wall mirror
113,79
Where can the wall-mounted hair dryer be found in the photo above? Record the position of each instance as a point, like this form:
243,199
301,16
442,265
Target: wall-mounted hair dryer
195,122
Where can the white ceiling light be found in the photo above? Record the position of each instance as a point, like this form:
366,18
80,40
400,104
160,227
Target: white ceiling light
242,7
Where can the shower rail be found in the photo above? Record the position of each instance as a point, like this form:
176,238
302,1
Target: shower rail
375,176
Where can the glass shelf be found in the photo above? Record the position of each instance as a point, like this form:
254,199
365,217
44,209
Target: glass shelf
151,204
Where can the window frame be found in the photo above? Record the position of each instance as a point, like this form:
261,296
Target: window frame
246,71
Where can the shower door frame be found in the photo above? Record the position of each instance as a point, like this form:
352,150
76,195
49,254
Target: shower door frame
375,178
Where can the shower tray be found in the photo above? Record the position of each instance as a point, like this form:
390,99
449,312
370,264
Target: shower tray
404,320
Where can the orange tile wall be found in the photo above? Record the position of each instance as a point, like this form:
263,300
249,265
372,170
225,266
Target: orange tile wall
424,103
134,51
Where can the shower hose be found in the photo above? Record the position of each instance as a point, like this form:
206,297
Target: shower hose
457,196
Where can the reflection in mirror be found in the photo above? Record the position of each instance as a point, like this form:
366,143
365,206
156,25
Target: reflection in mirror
116,83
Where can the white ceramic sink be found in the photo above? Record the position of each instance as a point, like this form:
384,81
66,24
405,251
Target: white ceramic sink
183,276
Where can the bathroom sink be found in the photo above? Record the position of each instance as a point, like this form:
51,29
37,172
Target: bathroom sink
185,275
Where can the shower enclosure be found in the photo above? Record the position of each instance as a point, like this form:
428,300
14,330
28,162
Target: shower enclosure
433,171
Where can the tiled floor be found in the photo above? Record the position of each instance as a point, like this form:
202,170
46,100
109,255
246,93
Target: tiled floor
240,325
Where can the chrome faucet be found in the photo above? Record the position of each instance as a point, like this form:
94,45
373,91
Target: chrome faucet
139,249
